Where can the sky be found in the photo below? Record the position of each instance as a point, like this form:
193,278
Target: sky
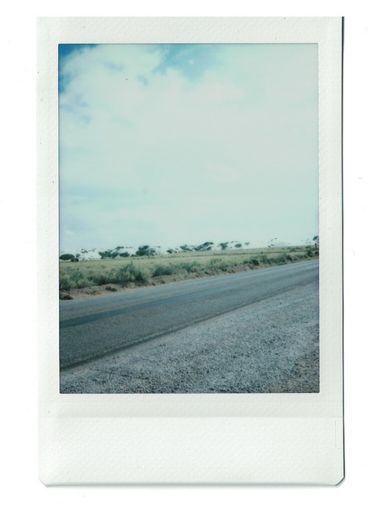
176,143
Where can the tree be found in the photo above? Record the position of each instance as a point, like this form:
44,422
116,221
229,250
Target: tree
223,245
106,254
185,247
145,251
68,257
206,246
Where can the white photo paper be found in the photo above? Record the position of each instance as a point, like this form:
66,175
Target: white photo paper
190,248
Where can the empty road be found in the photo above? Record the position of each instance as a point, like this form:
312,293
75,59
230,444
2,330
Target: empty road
93,328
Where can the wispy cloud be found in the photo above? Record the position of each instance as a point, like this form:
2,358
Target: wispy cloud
186,143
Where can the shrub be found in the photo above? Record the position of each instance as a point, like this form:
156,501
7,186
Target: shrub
78,279
190,266
65,283
101,278
214,262
163,270
279,260
265,260
219,264
129,274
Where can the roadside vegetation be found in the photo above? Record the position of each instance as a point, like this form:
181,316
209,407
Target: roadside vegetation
112,273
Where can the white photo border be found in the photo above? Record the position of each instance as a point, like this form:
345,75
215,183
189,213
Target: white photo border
219,438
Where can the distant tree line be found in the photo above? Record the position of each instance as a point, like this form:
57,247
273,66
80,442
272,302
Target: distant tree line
147,250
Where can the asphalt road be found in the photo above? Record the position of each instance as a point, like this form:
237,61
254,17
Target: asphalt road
92,328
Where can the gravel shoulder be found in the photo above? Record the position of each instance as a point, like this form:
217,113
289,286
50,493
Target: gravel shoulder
268,346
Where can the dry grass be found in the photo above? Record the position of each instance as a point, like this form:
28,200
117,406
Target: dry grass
139,271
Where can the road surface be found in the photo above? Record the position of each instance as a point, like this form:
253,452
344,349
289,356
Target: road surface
93,328
269,345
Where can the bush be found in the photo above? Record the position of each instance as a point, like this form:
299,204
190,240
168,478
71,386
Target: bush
190,266
78,279
65,283
279,260
163,270
129,274
219,264
265,260
101,278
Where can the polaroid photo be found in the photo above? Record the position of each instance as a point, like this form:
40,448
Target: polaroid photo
190,261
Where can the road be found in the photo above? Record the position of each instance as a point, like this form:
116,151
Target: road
93,328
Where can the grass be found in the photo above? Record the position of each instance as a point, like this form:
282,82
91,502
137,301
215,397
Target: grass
140,271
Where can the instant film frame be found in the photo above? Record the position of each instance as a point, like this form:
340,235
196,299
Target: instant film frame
193,438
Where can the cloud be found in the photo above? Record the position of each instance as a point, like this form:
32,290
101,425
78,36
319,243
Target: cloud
186,143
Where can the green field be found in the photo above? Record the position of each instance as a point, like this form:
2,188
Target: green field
100,276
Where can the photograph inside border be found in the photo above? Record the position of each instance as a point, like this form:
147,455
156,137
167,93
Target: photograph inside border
189,242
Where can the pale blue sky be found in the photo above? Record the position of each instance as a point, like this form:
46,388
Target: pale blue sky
173,144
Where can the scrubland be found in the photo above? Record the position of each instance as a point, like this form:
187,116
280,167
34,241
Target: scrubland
87,278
